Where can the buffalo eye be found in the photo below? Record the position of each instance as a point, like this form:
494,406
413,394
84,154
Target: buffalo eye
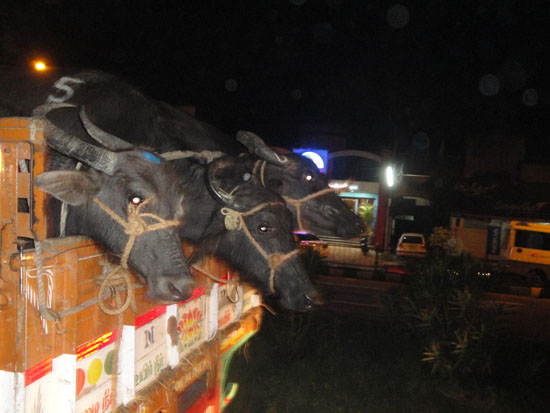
135,199
264,228
308,176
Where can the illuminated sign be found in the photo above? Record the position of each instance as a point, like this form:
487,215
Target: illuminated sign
318,156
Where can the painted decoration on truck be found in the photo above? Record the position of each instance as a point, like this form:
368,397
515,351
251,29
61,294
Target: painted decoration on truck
228,297
191,325
150,347
251,298
94,370
31,289
37,386
48,387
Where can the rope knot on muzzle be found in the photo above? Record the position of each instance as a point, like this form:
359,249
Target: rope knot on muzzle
135,224
297,203
133,227
235,220
275,260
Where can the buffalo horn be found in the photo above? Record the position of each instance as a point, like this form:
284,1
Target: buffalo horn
214,183
71,146
42,110
108,140
258,147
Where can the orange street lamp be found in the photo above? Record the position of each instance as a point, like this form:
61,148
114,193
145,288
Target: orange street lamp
39,66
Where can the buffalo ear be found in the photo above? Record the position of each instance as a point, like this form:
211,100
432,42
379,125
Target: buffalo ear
72,187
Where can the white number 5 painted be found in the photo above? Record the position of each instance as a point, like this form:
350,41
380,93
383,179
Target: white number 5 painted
67,91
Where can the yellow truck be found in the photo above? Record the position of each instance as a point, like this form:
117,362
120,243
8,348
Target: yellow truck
517,247
529,250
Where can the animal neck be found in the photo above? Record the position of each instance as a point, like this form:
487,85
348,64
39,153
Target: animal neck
202,218
77,221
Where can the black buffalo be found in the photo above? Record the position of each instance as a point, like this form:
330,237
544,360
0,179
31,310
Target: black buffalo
110,185
230,214
123,111
265,234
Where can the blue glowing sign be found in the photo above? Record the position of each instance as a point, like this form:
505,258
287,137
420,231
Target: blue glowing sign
318,156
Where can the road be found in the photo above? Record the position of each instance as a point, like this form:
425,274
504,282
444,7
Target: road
526,316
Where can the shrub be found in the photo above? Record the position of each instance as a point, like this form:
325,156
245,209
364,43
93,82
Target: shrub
442,239
444,307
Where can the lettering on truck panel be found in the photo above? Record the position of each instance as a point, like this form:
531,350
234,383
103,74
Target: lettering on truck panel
149,336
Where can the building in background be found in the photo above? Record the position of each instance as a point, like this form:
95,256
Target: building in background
355,175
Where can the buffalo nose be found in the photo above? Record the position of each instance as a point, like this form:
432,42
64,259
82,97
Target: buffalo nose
314,298
181,292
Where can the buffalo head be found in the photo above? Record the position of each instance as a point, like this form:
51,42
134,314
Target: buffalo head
315,207
129,202
254,234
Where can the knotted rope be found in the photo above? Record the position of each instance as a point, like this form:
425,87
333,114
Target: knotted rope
134,227
46,312
296,203
204,156
234,220
261,164
118,278
233,283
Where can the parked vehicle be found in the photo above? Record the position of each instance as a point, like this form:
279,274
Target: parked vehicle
308,240
411,245
529,250
518,248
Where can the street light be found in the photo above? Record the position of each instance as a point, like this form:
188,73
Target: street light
393,175
39,66
390,177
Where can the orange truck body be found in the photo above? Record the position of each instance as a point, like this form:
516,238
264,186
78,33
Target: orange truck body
150,358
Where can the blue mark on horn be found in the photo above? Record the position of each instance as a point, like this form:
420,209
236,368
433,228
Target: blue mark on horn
150,157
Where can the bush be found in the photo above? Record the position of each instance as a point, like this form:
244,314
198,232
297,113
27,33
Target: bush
441,239
444,307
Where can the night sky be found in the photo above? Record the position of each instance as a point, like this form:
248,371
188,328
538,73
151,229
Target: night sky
386,74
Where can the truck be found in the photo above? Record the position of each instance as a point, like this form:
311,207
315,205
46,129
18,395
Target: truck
518,247
69,344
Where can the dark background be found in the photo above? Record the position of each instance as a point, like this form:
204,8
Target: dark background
381,73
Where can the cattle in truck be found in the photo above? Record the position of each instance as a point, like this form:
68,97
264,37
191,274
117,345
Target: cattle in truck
233,216
122,110
127,201
229,214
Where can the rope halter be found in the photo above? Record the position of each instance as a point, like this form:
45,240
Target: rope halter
234,220
296,203
133,227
